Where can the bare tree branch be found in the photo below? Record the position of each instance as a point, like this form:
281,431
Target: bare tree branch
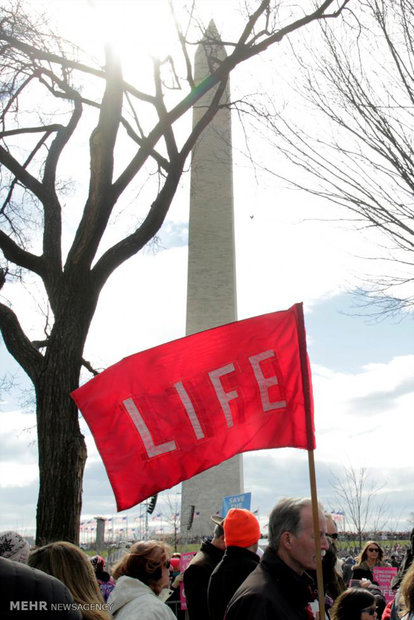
361,156
356,496
18,344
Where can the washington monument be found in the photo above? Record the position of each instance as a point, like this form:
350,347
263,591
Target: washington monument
211,287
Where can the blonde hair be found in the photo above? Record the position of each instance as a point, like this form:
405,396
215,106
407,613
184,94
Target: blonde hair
70,565
144,562
407,591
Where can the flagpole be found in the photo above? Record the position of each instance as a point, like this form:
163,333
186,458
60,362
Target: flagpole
315,513
311,461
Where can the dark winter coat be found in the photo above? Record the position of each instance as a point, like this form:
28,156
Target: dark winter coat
228,575
363,571
30,593
196,578
273,591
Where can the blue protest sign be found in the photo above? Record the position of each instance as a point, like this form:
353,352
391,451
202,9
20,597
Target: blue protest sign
243,500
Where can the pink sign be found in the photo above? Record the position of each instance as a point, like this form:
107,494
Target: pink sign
184,562
383,576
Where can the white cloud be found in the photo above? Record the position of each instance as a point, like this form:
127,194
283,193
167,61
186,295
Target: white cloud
347,436
354,425
143,305
18,450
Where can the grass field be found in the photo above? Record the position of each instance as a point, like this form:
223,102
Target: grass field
342,544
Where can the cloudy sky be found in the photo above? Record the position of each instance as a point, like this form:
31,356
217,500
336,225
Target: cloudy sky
363,369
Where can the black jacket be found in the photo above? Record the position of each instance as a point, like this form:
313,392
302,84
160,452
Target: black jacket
196,578
363,571
26,592
273,591
228,575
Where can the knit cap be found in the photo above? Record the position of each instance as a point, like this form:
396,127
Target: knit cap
14,547
241,528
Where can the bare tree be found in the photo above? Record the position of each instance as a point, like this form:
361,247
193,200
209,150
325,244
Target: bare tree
381,518
172,515
356,495
51,93
7,382
354,147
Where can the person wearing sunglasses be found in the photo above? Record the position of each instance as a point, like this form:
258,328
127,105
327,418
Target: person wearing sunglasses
331,568
354,604
371,555
140,576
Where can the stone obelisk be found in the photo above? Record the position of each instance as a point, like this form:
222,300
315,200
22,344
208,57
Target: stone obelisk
211,286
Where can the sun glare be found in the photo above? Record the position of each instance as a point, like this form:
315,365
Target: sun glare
135,28
143,26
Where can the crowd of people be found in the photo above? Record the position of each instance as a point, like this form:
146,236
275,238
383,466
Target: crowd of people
229,578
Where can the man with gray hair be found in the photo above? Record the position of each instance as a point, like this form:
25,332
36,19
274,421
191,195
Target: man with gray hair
279,588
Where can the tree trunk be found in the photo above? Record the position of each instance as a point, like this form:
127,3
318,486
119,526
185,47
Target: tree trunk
61,446
62,457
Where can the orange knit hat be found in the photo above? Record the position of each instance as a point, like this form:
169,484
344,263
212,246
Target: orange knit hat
241,528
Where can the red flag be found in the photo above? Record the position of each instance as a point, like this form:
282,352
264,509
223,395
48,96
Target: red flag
168,413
